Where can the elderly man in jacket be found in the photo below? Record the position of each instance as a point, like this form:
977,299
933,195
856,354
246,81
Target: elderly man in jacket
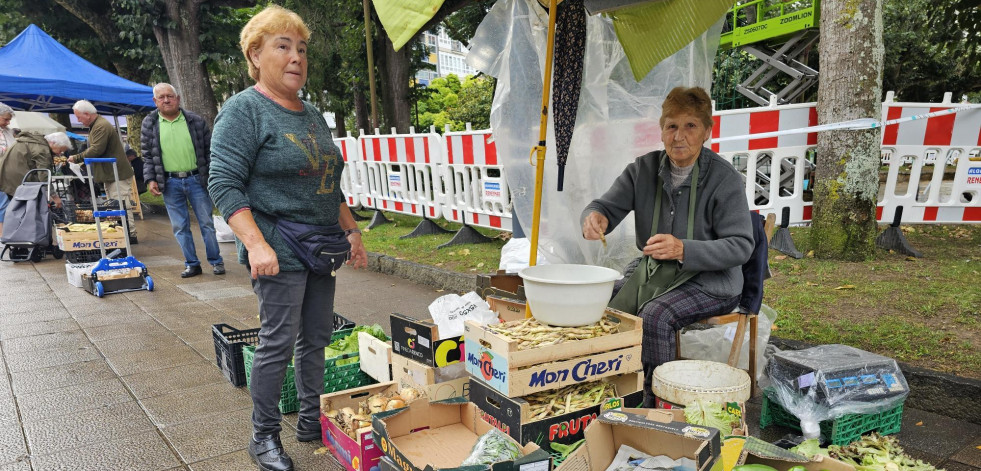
104,142
176,147
30,151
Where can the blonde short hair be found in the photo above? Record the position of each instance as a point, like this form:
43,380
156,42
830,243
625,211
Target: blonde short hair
272,19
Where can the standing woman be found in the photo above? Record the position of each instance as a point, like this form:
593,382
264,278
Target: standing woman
273,160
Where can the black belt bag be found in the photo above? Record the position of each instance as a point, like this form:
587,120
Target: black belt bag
322,249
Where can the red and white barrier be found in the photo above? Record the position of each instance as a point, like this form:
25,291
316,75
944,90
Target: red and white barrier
476,190
352,176
459,176
400,170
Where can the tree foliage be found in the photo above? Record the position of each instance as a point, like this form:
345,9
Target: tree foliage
932,48
456,103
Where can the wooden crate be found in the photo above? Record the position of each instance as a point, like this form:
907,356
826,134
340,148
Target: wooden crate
496,359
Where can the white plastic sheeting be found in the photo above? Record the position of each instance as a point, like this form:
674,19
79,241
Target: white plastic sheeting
617,121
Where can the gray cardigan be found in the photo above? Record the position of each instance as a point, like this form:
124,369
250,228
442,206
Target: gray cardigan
723,235
153,168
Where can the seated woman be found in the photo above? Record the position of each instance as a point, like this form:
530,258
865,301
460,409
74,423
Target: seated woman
694,236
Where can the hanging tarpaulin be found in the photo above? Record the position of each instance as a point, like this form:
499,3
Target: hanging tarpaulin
403,18
570,46
651,32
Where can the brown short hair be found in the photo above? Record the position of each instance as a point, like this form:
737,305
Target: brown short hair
694,100
272,19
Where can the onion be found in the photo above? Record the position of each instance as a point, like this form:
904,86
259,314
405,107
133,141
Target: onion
376,404
409,394
395,404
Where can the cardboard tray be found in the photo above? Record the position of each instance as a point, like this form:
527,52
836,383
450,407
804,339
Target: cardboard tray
359,453
647,430
496,359
437,383
512,416
439,436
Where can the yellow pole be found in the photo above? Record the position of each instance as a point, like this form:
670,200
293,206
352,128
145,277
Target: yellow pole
542,133
371,64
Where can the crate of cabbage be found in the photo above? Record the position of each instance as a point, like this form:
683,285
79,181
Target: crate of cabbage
341,368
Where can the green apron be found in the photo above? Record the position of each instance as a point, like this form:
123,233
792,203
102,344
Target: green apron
653,278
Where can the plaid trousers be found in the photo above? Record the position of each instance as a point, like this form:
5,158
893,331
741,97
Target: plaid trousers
668,313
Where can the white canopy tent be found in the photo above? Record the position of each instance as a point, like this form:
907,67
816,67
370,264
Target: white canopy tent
35,122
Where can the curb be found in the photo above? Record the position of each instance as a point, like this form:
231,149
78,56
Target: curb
422,274
931,391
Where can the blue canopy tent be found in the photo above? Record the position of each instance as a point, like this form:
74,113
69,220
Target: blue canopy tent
37,73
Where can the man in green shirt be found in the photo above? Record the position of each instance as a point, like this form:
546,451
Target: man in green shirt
176,147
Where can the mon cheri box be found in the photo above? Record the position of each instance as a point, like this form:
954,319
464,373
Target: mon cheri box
513,416
497,361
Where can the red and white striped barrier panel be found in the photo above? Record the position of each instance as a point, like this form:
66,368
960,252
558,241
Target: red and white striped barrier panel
476,190
353,167
400,170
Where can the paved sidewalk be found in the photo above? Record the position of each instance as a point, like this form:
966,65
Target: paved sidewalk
128,382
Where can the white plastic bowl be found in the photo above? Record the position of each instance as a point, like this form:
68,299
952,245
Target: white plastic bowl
568,295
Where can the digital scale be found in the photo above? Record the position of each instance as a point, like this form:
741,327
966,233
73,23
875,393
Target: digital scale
845,374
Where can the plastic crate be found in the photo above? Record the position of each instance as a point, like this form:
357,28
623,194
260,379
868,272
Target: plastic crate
229,342
336,377
90,256
840,431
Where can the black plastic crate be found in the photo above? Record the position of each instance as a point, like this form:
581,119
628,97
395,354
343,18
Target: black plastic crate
228,350
91,256
229,342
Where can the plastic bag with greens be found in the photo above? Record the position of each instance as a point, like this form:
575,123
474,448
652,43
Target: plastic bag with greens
492,447
711,414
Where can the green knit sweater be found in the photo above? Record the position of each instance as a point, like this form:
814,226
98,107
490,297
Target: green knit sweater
276,161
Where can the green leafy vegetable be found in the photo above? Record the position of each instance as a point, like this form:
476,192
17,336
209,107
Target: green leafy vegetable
878,453
711,414
349,344
810,448
565,450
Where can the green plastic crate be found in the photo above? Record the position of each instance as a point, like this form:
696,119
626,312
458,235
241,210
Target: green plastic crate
336,378
840,431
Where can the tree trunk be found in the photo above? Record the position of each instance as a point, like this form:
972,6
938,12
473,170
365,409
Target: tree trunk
340,116
134,123
361,111
181,49
851,60
396,87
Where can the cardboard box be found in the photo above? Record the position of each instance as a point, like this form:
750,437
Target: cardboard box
512,416
756,451
647,430
736,408
496,359
376,357
439,436
419,341
355,454
89,240
437,383
77,271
